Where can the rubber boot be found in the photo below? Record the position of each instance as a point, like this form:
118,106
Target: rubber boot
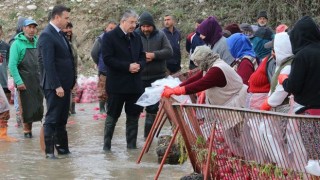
18,119
4,136
61,141
49,150
27,129
132,131
102,106
73,108
109,126
148,123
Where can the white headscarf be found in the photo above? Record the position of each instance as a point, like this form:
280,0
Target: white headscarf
282,47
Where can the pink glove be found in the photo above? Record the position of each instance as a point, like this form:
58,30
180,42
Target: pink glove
282,77
265,106
167,92
201,97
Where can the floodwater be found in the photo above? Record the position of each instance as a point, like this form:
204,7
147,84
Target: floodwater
25,160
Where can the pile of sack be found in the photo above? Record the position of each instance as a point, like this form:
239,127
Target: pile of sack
87,89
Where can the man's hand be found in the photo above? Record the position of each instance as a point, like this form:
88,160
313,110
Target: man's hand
134,67
60,91
149,56
21,87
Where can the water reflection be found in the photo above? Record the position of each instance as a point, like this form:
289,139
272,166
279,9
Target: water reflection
24,159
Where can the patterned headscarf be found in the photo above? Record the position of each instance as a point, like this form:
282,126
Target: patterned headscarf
204,58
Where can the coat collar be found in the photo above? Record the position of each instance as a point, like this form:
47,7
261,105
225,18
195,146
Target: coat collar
121,34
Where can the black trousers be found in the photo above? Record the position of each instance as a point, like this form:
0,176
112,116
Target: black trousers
117,101
57,112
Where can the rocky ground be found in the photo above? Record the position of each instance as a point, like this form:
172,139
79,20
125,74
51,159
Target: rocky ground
89,16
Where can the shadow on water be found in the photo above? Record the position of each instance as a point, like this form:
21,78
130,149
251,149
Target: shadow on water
24,159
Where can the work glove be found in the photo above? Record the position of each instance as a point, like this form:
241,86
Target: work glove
167,92
265,106
282,77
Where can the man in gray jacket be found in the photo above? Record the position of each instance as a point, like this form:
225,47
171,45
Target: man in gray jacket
157,49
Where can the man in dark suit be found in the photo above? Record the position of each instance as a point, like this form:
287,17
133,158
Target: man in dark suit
57,79
122,52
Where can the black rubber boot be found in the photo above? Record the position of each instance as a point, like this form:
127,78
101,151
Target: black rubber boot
109,126
49,150
132,131
28,135
61,142
102,106
73,108
148,123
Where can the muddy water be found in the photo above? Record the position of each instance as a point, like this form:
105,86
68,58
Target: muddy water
24,159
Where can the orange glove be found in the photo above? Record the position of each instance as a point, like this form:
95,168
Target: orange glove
265,106
282,77
167,92
201,97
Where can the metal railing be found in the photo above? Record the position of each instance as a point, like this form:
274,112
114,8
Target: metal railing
235,143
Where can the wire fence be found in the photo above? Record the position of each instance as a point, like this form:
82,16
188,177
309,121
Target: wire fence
234,143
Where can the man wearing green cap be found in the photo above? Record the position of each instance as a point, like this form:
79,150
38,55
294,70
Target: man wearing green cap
24,68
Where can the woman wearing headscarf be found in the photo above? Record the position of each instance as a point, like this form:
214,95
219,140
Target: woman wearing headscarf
278,96
303,81
211,33
223,86
245,59
278,100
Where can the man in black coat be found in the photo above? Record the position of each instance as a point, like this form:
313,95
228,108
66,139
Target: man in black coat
122,52
57,71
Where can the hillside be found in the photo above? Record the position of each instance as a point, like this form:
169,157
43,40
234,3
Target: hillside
89,16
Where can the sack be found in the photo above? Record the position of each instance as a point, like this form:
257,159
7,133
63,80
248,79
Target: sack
253,148
273,142
254,100
296,148
152,94
87,89
313,167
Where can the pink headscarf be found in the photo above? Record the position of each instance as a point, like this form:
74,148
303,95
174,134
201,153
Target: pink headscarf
281,28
